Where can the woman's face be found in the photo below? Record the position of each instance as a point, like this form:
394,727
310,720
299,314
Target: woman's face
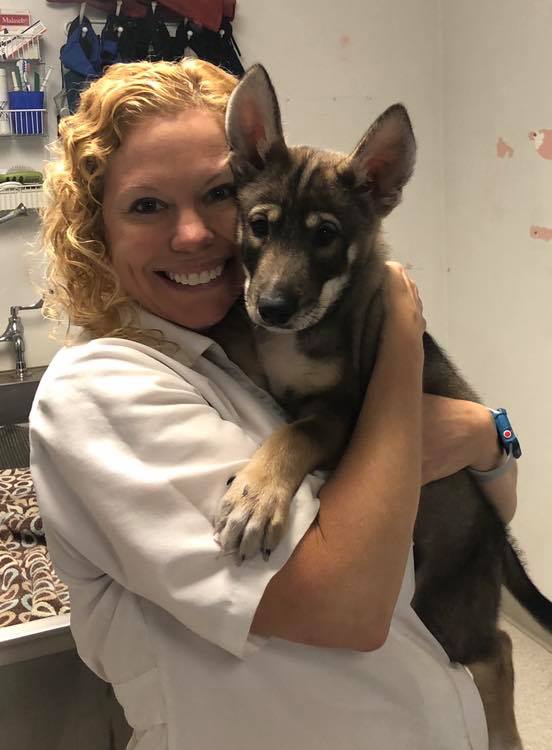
169,215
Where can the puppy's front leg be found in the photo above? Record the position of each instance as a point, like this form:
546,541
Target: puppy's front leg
253,512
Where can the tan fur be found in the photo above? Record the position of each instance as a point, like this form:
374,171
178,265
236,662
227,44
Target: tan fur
270,210
495,681
260,495
316,217
276,352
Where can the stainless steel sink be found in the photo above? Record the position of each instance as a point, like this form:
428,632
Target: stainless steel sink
16,396
47,635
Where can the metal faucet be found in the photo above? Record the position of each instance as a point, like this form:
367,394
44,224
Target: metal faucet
19,211
14,333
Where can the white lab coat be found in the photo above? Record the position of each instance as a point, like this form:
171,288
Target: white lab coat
131,452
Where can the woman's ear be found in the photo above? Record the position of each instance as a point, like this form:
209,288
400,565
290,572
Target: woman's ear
383,161
253,123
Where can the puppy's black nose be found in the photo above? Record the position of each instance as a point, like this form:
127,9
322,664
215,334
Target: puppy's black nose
276,309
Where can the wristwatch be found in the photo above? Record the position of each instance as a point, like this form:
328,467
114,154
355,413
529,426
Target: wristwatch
506,434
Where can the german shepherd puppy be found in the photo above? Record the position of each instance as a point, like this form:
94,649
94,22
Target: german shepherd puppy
310,230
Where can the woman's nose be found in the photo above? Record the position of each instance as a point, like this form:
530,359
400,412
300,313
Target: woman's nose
190,232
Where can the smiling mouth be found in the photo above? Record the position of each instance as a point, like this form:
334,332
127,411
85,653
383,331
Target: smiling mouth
194,279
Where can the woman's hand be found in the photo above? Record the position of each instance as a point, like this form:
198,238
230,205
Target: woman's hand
403,306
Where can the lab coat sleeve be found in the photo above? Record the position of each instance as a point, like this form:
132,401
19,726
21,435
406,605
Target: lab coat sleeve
129,463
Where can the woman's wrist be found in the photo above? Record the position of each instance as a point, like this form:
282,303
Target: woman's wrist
460,434
488,453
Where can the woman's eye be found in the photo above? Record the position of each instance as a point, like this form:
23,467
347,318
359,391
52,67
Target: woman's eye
325,234
221,193
259,227
146,206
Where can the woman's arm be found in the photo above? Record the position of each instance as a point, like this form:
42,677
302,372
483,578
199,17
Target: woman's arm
129,462
459,434
340,586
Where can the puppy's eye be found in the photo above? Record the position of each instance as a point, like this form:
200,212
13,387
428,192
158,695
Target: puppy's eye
259,227
324,234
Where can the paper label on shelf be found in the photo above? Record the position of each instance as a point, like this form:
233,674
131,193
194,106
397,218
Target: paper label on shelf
14,21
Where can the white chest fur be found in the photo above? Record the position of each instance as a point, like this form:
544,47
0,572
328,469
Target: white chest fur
286,367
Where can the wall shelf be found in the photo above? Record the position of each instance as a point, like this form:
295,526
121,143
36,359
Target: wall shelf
24,113
16,122
22,46
31,196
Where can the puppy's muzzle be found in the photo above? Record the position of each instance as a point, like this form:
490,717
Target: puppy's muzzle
276,309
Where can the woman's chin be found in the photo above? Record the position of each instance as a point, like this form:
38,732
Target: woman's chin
204,316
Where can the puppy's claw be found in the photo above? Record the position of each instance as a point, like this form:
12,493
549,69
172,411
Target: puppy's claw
251,516
239,558
219,525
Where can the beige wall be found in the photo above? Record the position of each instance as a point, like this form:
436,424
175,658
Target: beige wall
498,63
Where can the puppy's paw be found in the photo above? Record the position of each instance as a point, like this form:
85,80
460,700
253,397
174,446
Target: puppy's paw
252,514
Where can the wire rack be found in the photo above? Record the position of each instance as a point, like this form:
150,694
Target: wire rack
22,122
23,46
11,196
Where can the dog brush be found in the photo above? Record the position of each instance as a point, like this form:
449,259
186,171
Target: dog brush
22,174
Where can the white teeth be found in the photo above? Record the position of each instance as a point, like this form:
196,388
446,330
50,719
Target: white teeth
193,279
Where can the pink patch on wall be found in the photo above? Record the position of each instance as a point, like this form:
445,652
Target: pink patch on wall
542,141
541,233
344,47
503,149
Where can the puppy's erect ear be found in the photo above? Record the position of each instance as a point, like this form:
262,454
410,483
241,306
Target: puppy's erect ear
253,123
383,161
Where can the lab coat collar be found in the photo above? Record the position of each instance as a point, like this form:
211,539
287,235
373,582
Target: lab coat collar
191,345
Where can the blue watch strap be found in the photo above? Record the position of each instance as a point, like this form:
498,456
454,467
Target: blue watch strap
506,434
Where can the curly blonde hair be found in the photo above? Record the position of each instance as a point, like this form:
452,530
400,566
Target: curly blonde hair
81,284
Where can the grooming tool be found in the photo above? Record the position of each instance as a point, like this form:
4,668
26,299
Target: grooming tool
23,175
46,77
18,78
24,68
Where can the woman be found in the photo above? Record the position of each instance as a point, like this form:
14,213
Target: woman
138,425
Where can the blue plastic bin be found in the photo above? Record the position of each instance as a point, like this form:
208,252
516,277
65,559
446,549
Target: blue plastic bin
25,122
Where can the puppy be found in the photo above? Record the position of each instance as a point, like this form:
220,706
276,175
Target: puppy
310,232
